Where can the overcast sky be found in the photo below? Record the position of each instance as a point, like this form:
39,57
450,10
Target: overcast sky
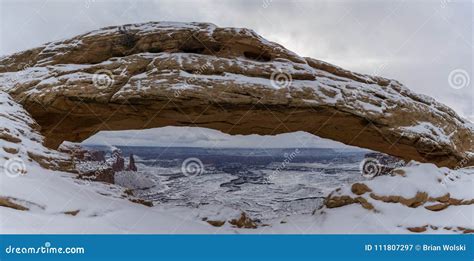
420,43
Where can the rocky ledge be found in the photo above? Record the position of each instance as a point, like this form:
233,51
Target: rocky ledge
415,198
196,74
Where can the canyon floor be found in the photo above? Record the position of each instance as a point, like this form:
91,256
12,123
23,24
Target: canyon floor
421,198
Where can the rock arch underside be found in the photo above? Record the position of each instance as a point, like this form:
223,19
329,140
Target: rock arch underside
196,74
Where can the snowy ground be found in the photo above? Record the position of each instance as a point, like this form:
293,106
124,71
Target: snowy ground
421,197
51,195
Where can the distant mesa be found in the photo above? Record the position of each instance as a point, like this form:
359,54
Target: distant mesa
160,74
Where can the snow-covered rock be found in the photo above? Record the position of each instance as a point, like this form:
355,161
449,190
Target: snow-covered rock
21,144
416,198
160,74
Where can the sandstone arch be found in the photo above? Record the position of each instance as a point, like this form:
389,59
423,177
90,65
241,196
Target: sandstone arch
160,74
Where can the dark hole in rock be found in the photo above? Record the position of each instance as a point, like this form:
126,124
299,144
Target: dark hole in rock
204,72
380,96
261,57
128,39
155,50
193,49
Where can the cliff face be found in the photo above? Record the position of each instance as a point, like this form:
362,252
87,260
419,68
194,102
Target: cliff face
21,143
195,74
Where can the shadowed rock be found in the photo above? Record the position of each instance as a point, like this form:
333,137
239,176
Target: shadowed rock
131,164
97,156
195,74
118,163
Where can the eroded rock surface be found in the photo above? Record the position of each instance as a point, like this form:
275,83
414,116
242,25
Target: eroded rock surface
195,74
21,144
418,198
